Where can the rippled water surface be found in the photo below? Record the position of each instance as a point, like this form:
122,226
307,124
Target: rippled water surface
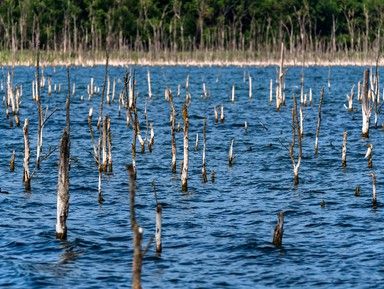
217,235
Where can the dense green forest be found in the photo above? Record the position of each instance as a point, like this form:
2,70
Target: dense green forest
257,26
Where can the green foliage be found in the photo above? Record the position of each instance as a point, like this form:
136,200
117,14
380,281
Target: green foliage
146,21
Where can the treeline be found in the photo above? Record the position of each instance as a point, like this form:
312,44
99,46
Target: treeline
258,26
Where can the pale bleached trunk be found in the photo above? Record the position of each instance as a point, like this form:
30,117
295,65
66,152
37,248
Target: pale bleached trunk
250,86
39,142
344,150
204,166
149,84
350,98
216,114
109,144
231,157
374,201
26,174
113,89
279,95
49,86
173,134
108,96
197,142
63,189
152,138
296,132
319,122
366,106
222,113
233,93
368,155
184,174
104,146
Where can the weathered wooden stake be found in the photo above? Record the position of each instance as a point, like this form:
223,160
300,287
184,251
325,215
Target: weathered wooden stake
359,91
350,98
108,98
222,114
368,155
113,89
197,142
250,86
233,93
109,144
344,150
149,84
374,201
366,106
216,114
301,122
204,168
39,143
231,156
104,146
152,138
12,162
63,188
205,92
310,96
184,175
173,133
295,132
137,233
280,91
319,121
279,230
26,175
159,212
49,86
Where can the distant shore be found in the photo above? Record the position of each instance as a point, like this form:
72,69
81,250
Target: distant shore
197,58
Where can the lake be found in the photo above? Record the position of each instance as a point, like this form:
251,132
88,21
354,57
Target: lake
217,234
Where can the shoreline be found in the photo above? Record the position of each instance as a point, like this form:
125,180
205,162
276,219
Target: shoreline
196,59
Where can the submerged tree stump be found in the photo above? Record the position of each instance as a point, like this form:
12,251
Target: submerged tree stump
63,188
279,229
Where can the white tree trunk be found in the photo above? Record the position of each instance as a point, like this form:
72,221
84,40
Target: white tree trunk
184,174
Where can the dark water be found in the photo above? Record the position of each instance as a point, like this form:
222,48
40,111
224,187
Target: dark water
218,235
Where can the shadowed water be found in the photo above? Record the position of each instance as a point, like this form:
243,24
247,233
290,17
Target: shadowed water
217,235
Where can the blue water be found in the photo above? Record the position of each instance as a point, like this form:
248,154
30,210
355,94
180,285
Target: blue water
217,235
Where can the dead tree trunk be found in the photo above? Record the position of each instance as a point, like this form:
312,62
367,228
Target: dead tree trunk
374,201
366,106
279,230
344,150
319,122
63,189
368,155
159,211
204,168
280,89
173,133
184,175
26,174
137,233
295,133
39,143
